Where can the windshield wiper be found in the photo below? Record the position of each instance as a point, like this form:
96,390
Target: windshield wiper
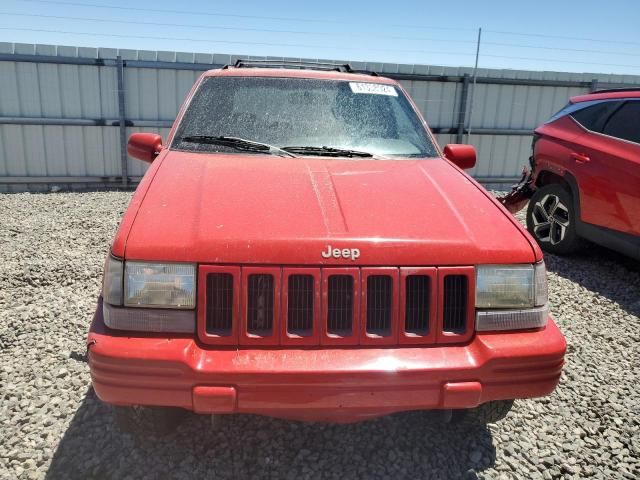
328,151
237,143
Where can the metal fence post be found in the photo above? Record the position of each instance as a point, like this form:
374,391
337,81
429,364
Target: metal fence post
594,84
122,121
462,112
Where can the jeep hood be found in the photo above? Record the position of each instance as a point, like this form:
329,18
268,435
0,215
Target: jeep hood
222,208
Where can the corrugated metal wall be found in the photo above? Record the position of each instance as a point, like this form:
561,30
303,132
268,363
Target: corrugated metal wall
30,91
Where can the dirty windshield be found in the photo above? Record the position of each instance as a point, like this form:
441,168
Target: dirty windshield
303,116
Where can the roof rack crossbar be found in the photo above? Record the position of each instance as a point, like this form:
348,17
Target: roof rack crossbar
299,64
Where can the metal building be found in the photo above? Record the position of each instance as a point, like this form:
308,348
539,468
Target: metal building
65,112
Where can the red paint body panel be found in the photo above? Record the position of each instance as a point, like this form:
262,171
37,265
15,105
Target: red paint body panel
228,208
120,240
606,170
331,383
214,399
246,214
610,183
605,96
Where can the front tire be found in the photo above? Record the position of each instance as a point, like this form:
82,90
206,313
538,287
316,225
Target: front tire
551,220
148,422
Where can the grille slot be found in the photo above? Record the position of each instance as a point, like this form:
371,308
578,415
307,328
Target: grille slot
379,304
260,304
219,303
300,305
340,305
417,304
455,304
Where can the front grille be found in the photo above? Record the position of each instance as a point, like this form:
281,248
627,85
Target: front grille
219,303
455,303
347,306
417,306
379,304
340,305
300,305
260,304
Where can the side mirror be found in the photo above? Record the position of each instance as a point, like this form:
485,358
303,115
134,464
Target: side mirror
464,156
144,146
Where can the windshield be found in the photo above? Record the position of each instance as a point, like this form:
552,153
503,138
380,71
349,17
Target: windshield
307,113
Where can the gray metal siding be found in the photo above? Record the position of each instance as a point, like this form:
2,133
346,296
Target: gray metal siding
31,90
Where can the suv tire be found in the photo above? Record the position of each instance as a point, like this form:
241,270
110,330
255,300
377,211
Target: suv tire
147,422
551,219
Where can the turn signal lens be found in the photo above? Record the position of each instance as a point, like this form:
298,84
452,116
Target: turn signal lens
149,320
542,292
112,281
497,320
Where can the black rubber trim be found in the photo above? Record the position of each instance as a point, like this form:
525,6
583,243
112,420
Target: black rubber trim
624,243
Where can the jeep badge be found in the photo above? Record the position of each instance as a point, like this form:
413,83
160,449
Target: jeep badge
351,253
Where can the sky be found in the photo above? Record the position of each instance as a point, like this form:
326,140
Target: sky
560,35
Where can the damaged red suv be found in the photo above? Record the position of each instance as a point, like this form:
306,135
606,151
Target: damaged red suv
302,248
584,181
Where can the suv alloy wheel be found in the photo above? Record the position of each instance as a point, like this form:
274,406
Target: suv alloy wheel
551,219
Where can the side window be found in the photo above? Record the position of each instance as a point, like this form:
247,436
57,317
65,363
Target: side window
594,117
625,123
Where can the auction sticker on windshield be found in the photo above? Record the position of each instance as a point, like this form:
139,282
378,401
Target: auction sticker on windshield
373,88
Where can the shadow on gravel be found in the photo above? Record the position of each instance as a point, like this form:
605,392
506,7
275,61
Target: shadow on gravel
602,271
246,446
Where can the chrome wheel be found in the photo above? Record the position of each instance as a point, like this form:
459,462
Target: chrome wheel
550,219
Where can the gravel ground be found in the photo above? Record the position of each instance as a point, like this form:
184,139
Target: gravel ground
52,247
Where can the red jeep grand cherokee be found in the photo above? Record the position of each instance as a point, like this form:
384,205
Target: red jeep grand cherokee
301,247
585,175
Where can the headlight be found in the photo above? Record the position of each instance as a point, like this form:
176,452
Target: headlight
160,285
511,297
112,281
505,286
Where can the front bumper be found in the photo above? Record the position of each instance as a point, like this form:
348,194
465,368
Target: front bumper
322,384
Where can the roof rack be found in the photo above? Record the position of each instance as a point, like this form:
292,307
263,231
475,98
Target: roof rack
614,90
302,65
